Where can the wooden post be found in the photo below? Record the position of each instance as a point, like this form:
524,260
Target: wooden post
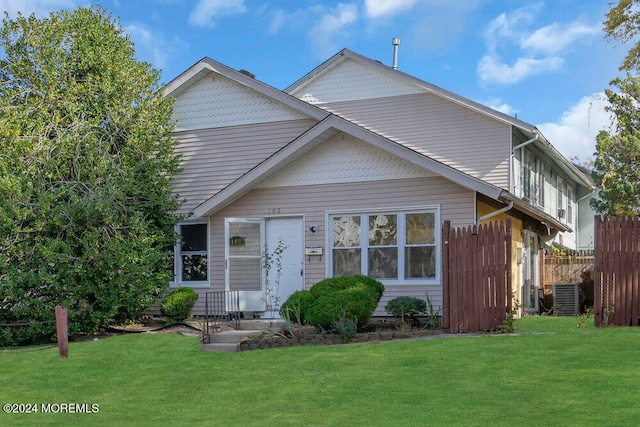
62,328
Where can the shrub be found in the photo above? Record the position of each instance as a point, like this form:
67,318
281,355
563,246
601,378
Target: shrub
406,307
295,307
178,304
351,303
345,327
328,301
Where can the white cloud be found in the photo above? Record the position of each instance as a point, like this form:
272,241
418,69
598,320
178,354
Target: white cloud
331,25
492,70
530,52
207,10
499,105
41,8
379,8
506,27
555,38
153,47
574,135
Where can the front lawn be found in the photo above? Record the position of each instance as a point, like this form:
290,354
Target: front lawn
573,376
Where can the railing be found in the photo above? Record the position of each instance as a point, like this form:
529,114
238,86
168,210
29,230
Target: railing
221,308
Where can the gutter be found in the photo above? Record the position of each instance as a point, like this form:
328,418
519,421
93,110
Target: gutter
494,213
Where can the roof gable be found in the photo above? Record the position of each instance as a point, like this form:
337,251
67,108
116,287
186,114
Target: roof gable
345,159
349,80
210,94
217,101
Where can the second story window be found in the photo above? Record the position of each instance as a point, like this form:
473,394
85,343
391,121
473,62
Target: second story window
532,179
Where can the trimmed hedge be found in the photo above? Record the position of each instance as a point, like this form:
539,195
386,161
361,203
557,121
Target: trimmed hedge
330,300
178,304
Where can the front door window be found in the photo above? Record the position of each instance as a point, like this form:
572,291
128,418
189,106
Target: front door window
244,255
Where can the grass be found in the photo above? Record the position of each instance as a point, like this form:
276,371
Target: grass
573,376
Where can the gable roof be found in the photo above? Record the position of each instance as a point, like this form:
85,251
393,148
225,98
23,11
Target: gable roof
207,66
527,129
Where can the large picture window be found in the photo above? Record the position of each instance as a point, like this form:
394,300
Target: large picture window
389,245
193,254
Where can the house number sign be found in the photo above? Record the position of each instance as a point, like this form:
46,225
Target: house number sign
273,211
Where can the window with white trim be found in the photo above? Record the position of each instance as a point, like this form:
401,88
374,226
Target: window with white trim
192,254
387,245
532,179
570,198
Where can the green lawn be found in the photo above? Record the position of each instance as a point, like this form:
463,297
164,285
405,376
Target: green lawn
574,376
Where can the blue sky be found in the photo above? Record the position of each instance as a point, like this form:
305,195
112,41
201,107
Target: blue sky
544,61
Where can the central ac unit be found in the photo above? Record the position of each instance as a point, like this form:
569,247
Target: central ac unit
566,299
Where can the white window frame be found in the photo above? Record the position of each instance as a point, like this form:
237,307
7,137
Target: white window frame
401,244
177,282
570,205
227,249
532,178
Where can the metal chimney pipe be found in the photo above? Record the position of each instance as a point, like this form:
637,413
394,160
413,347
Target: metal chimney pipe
396,42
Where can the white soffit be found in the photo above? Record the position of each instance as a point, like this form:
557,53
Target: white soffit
217,101
345,159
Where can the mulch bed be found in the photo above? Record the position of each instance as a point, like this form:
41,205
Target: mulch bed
274,340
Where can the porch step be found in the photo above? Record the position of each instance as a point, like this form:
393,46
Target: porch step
228,341
263,325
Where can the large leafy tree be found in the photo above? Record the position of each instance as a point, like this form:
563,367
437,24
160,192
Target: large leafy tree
622,24
86,164
616,170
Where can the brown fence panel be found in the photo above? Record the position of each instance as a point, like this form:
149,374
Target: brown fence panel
477,276
616,288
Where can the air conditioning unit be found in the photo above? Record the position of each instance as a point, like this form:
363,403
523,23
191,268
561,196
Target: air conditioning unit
566,299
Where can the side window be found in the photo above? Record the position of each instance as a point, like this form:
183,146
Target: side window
193,253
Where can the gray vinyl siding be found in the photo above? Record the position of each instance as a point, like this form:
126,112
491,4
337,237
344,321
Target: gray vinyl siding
456,204
214,158
446,131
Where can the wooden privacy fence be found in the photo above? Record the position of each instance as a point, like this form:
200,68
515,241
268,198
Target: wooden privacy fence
477,276
616,288
567,268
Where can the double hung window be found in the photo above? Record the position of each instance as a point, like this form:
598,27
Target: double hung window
192,259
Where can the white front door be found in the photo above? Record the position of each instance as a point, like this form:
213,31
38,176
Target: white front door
290,263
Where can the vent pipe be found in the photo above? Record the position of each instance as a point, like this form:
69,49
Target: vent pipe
396,43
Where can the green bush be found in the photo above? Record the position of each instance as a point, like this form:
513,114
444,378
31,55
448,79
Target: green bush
351,303
328,301
403,307
178,304
295,307
14,336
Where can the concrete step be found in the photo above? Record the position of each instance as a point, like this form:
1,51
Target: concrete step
230,337
221,347
227,341
264,325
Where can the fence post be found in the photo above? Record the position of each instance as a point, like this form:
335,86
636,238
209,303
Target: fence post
446,281
62,329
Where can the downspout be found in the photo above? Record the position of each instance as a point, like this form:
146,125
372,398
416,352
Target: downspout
494,213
